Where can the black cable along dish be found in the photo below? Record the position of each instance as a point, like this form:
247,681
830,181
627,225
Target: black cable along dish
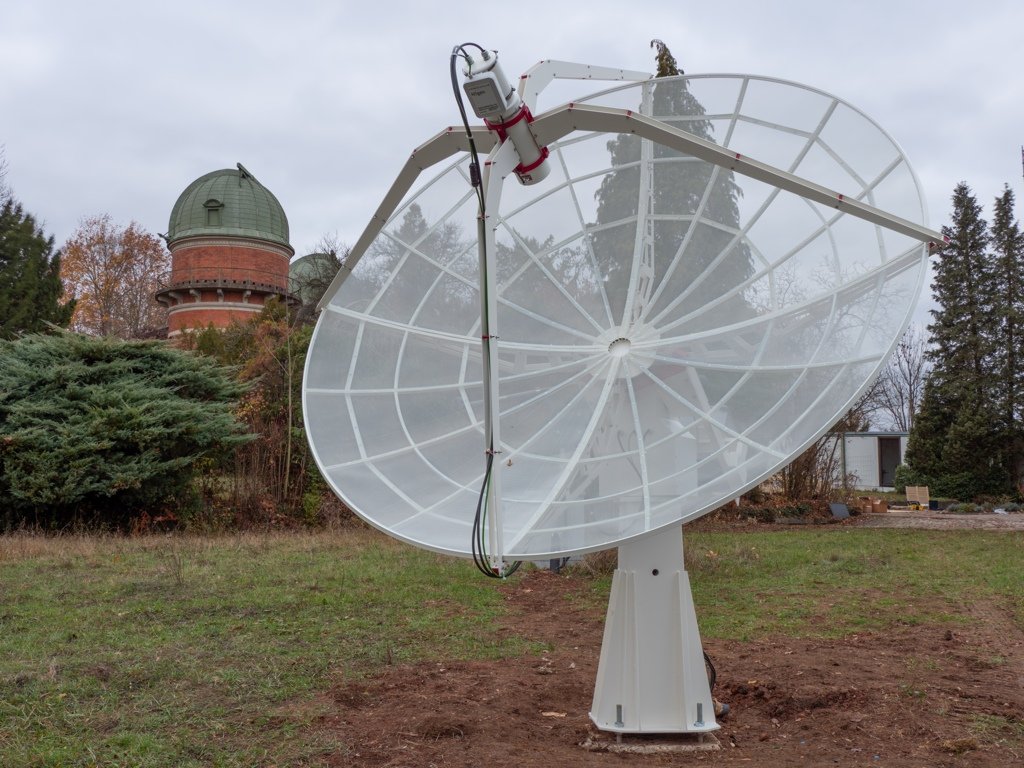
478,538
459,50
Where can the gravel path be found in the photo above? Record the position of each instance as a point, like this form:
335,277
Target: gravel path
905,518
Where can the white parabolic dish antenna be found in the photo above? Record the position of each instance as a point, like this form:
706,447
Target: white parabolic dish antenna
702,285
697,279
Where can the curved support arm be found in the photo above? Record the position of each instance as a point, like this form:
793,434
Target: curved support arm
553,125
442,146
540,75
561,121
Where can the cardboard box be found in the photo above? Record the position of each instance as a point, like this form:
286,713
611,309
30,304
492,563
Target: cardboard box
879,505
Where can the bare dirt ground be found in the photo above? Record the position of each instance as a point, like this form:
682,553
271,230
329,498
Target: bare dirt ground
918,696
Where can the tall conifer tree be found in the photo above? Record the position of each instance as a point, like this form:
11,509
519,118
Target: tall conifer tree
680,187
961,327
954,447
30,286
1008,263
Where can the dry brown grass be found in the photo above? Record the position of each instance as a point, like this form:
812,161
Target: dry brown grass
25,545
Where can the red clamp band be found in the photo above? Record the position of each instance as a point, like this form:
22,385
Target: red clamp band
527,168
502,128
523,113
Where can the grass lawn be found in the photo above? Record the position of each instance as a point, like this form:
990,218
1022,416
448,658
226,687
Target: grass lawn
212,651
187,651
836,581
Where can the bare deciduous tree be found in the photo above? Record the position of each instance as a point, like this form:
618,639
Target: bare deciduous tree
892,399
5,191
818,472
902,381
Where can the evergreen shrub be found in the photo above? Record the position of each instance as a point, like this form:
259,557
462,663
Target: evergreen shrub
101,430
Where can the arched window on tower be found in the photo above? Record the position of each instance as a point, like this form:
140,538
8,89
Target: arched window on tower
213,209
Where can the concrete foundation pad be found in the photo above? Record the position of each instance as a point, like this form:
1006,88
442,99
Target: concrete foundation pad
650,744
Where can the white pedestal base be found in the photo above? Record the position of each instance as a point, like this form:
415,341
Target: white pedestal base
651,677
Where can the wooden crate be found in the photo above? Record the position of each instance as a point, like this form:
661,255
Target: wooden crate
917,496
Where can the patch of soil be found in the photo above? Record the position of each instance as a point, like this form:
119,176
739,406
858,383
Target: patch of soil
911,697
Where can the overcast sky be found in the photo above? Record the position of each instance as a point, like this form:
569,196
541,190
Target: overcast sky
115,107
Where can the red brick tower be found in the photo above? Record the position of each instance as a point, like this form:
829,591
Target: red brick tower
228,238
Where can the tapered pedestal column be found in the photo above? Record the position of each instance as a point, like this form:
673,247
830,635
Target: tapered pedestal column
651,677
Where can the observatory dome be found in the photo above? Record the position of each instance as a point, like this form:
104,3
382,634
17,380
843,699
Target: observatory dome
309,276
228,202
228,238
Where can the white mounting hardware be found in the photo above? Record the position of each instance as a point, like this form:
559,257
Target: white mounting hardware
499,105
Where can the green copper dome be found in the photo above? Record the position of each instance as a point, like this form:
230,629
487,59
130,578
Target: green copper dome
231,203
309,277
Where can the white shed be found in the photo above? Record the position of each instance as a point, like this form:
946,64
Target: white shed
872,457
